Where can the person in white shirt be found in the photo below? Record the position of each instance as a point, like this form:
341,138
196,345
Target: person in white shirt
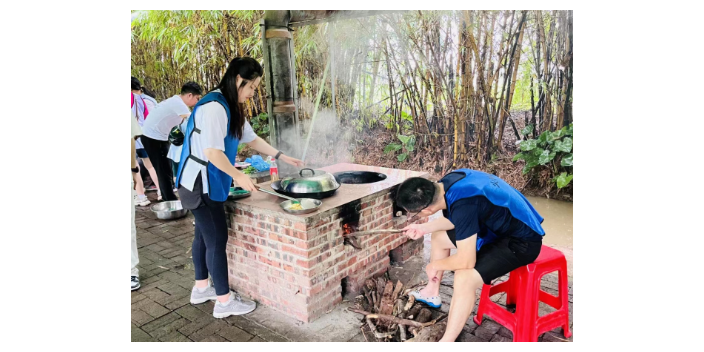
135,257
148,97
140,111
206,171
155,133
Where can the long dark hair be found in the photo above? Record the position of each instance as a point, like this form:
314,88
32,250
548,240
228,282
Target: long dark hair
249,69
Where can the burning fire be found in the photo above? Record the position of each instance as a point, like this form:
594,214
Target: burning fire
348,229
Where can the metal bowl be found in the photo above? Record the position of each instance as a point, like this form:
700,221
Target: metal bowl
169,210
309,205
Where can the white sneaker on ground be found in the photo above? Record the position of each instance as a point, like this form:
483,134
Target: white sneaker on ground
235,306
135,283
142,202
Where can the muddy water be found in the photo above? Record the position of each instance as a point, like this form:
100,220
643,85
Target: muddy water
557,226
558,220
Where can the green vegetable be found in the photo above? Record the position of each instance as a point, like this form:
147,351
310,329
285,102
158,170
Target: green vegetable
250,170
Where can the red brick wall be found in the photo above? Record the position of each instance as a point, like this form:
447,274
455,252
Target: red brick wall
297,265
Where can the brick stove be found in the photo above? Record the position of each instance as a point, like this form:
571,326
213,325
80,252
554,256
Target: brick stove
300,264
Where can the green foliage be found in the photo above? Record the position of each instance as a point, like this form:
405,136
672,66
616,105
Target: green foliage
250,170
260,125
407,144
527,130
552,150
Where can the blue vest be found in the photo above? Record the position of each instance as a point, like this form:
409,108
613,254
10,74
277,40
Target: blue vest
499,193
218,182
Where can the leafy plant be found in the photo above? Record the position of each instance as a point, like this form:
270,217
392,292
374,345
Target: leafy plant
552,150
407,145
250,170
260,125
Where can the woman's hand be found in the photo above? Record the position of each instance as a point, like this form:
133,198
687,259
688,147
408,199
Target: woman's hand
243,180
291,161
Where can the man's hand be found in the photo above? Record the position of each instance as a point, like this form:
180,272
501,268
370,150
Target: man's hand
415,231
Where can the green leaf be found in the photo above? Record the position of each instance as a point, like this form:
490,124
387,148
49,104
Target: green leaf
546,156
519,156
392,148
404,139
566,160
537,152
529,145
529,165
557,135
527,130
402,157
564,146
542,140
563,180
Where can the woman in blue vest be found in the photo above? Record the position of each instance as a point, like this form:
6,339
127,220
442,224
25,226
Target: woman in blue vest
214,130
493,227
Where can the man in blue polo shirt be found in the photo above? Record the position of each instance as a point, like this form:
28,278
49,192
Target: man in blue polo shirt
491,224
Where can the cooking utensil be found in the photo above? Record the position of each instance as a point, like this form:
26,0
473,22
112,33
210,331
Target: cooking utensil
308,205
169,210
291,199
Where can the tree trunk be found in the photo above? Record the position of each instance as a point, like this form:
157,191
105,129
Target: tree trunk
512,81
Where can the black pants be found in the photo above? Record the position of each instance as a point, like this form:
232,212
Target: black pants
504,255
157,151
209,244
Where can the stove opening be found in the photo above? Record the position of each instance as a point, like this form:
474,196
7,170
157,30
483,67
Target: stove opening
358,177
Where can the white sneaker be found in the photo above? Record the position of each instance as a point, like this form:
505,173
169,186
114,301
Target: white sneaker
235,306
158,195
208,295
142,202
434,302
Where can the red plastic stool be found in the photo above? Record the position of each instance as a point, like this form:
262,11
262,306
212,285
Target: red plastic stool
523,289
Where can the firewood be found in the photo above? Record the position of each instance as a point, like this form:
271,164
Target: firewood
370,284
386,306
389,318
411,300
380,284
402,332
431,333
424,315
414,311
372,327
397,289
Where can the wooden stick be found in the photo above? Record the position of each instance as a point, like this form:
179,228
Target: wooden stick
388,318
371,232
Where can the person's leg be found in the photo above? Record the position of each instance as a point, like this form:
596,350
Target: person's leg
215,244
493,260
202,291
174,170
440,246
163,171
139,188
467,282
227,303
135,255
157,150
152,173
